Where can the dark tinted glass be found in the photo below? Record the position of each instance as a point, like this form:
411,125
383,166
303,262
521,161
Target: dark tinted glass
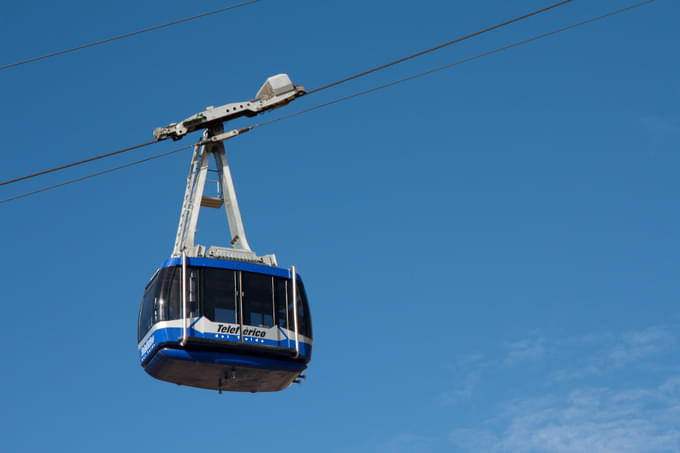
258,299
281,301
304,321
305,309
219,295
168,294
192,292
145,320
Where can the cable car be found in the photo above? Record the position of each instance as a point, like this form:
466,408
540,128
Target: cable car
243,326
224,318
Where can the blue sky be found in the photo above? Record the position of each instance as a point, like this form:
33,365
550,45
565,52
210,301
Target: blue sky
490,252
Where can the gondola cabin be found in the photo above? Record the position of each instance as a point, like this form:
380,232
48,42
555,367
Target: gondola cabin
223,318
243,327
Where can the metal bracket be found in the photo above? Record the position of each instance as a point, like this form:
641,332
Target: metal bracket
212,144
276,92
186,231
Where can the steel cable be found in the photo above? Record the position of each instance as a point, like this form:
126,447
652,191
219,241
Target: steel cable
316,90
99,173
456,63
351,96
73,164
126,35
440,46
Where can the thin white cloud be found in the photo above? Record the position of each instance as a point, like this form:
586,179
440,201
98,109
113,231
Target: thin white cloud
463,390
527,349
638,345
471,359
402,442
408,443
466,372
586,420
611,418
477,440
584,399
590,339
608,353
575,373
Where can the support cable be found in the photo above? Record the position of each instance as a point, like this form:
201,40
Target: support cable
456,63
316,90
126,35
73,164
99,173
446,44
361,93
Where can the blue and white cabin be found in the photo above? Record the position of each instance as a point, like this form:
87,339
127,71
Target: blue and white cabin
241,329
215,319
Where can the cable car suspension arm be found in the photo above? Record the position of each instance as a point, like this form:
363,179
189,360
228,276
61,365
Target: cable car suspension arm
276,92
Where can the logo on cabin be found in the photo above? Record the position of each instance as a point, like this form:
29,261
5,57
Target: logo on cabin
221,328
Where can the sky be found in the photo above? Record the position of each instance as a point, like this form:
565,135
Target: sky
490,251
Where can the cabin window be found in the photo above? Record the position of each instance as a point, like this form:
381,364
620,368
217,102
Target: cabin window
168,293
281,302
146,311
258,299
303,321
304,327
219,295
264,300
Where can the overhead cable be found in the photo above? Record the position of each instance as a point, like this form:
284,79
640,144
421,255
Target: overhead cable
316,90
446,44
99,173
456,63
73,164
360,93
127,35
